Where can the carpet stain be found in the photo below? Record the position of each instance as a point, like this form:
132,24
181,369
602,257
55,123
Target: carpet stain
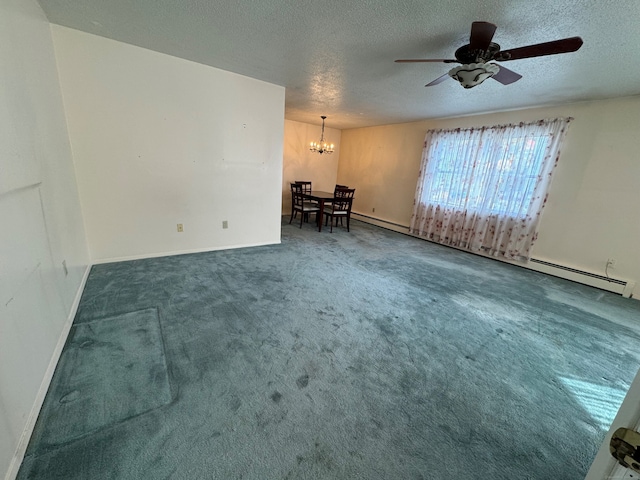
302,381
386,329
269,416
276,396
322,456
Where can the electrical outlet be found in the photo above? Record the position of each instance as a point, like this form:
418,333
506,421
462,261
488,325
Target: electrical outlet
180,228
611,263
225,224
373,209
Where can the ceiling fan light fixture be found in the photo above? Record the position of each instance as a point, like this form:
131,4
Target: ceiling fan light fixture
322,146
474,73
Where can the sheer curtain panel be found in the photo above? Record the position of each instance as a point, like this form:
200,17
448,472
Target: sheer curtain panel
483,189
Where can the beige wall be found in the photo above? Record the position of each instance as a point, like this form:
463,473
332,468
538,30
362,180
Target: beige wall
382,163
160,141
41,224
302,164
594,202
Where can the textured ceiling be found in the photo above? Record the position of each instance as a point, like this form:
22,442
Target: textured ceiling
336,57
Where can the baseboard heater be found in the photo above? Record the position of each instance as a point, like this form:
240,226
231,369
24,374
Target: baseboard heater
617,285
580,272
379,220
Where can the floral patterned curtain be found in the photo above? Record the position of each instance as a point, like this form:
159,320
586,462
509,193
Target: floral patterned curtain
483,189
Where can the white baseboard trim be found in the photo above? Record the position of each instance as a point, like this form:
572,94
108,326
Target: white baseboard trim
21,449
180,252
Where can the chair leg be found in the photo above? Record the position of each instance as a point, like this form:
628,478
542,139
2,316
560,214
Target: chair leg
301,218
292,215
348,219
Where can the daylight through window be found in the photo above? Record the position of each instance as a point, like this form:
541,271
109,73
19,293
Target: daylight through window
504,178
484,188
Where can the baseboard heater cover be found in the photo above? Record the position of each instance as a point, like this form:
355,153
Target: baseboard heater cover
616,285
580,272
380,220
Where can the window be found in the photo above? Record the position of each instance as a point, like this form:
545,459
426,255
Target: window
485,188
501,178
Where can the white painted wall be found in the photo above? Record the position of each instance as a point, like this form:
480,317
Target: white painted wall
300,163
159,140
41,224
594,201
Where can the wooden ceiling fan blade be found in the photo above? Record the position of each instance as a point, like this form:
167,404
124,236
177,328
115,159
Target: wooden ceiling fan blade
481,35
438,80
420,60
565,45
506,76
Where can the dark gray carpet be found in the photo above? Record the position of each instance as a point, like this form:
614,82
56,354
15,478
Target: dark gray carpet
362,355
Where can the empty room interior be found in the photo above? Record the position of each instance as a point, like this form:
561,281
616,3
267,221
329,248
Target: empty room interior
164,316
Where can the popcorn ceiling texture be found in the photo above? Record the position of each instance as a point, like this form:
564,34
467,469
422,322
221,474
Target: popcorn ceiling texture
362,355
336,58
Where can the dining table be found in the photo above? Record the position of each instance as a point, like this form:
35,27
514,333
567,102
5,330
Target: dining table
320,197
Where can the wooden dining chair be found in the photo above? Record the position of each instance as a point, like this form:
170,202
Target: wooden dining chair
340,207
300,205
337,187
306,188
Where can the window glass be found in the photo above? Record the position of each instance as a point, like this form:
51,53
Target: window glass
485,175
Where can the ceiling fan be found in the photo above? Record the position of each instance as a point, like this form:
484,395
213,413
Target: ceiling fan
478,56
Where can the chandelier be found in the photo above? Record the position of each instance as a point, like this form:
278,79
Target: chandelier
321,146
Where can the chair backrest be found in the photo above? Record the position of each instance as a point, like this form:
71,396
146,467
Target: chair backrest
306,186
296,194
338,187
342,199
